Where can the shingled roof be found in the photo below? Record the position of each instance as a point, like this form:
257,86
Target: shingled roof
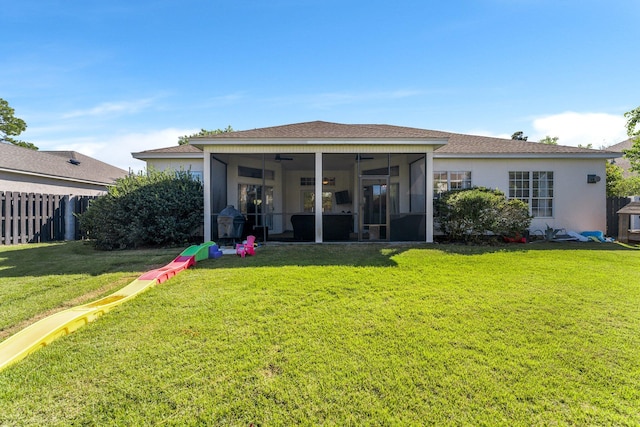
67,165
621,161
458,145
461,145
326,130
181,151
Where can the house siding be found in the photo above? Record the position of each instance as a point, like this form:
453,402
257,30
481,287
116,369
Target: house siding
22,183
578,205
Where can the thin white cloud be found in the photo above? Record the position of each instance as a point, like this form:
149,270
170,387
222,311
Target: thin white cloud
111,108
116,149
571,128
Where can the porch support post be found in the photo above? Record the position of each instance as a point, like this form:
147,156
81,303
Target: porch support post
429,196
207,195
318,197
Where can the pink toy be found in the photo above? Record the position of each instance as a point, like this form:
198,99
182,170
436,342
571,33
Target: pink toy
240,250
249,246
246,248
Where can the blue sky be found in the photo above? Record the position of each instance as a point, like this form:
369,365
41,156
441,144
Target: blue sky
106,78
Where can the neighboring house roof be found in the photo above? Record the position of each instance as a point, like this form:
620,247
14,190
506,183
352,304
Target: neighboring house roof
624,145
621,161
458,145
65,165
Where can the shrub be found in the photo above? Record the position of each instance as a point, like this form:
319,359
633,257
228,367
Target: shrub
471,213
153,209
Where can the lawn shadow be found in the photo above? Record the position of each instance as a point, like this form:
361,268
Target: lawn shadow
77,257
81,258
312,254
381,254
471,249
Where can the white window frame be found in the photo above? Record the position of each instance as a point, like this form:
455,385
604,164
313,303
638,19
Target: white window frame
463,178
535,188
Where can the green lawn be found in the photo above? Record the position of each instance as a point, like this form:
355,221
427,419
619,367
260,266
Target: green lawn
539,334
43,278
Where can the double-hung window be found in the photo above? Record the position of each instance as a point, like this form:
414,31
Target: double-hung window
535,189
450,180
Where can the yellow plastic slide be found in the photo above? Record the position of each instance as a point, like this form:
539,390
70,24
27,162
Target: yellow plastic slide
43,332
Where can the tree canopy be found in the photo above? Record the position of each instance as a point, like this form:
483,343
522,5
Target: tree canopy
618,185
633,130
11,126
183,140
519,135
633,120
549,140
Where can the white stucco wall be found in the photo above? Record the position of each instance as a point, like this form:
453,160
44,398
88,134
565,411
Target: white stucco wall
577,205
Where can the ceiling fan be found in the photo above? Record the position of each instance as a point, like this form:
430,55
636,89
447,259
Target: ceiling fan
280,157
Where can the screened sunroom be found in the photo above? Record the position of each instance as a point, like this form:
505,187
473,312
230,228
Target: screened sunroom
337,189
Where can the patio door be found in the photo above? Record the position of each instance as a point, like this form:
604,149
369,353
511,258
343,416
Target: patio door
256,202
374,208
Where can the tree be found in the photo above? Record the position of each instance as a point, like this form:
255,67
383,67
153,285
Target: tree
183,140
11,125
589,146
519,135
618,185
614,178
633,130
633,120
152,209
549,140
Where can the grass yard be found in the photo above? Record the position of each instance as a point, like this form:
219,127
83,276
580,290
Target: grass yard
539,334
40,279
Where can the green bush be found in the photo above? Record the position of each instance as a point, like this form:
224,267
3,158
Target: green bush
469,214
153,209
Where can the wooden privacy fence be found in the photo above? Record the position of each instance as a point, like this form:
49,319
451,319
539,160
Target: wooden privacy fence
34,218
614,204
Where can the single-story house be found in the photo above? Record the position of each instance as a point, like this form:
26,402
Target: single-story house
321,181
40,192
54,172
